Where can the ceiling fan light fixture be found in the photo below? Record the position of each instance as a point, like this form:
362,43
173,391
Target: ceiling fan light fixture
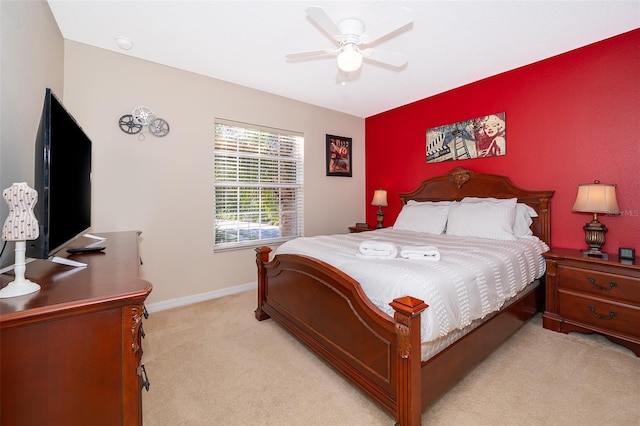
350,59
349,35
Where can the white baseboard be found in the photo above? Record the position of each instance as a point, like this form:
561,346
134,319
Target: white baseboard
200,297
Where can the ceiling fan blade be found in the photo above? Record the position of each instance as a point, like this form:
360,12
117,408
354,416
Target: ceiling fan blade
396,20
320,17
385,57
312,53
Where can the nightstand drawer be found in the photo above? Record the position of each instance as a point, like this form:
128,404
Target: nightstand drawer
598,313
601,284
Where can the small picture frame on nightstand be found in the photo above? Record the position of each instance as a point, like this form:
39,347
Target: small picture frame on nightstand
362,225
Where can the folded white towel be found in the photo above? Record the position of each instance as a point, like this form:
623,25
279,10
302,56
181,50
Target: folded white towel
377,249
420,252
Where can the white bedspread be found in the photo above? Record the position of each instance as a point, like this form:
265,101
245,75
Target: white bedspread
473,278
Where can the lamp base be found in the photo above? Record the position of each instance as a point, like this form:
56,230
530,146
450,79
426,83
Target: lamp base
16,288
380,218
20,285
595,253
594,235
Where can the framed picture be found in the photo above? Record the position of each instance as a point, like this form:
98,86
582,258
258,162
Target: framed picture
338,156
476,138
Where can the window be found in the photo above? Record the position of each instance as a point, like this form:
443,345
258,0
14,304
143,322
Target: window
258,185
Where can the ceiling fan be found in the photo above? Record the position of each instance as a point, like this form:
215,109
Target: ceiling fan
349,35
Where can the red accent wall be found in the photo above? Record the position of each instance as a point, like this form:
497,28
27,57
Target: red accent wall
571,119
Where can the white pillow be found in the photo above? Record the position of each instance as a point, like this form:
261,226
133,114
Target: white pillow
505,201
522,221
430,218
528,209
433,203
493,220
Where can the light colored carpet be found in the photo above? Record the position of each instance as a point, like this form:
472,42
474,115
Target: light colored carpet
213,363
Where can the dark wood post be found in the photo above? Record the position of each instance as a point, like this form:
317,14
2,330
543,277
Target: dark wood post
262,257
550,318
408,386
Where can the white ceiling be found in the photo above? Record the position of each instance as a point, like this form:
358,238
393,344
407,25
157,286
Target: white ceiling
449,44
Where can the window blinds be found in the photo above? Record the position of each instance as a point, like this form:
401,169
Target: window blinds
258,181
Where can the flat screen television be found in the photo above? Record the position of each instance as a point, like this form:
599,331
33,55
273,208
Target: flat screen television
62,179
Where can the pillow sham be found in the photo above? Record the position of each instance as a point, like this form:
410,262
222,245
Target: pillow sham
433,203
486,219
504,201
522,220
429,218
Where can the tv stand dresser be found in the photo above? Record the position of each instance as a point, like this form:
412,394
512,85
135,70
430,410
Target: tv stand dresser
70,353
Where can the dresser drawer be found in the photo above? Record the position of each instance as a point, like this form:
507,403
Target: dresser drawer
611,286
604,315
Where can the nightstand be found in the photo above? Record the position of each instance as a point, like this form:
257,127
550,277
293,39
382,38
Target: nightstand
354,229
588,294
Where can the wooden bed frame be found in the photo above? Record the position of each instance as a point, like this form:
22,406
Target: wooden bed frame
328,312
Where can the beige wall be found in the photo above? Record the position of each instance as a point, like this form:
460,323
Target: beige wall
163,186
31,59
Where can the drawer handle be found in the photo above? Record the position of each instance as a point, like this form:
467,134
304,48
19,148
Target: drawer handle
612,284
612,314
145,379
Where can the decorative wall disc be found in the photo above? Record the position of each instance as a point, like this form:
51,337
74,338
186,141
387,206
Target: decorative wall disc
143,115
159,127
128,125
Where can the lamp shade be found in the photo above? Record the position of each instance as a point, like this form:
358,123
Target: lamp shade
379,198
350,59
596,198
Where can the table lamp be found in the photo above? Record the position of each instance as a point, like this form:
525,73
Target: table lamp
596,198
380,200
21,225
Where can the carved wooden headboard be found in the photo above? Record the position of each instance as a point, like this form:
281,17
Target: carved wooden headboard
461,182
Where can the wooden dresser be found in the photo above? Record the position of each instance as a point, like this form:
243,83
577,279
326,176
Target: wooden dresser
589,294
70,353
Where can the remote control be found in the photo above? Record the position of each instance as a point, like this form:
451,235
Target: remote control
85,249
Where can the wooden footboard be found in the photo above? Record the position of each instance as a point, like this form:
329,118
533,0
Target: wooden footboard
328,312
